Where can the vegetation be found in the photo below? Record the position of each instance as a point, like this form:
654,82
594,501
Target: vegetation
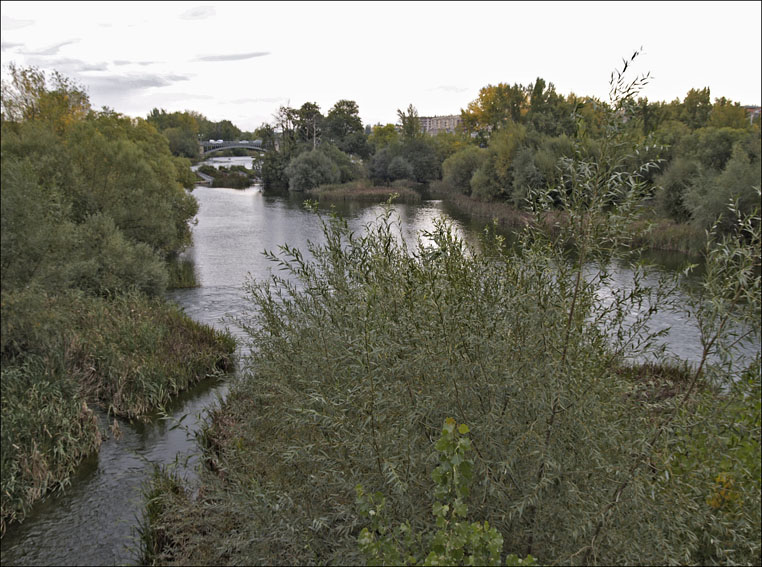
455,542
94,207
363,191
233,177
509,146
365,349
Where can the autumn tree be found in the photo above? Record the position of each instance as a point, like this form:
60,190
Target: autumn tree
32,95
495,106
729,114
696,108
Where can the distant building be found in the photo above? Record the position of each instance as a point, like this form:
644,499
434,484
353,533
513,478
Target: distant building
433,125
752,112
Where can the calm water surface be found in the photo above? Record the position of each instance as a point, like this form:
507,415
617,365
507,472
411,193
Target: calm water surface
93,522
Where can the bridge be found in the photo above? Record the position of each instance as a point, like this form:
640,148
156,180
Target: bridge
210,146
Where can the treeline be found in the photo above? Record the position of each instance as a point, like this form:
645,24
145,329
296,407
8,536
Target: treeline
706,153
509,144
94,205
183,130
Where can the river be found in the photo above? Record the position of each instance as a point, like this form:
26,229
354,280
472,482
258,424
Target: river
94,521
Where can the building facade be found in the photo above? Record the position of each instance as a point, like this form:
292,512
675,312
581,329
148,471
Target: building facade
433,125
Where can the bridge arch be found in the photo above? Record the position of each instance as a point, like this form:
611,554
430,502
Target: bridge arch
211,146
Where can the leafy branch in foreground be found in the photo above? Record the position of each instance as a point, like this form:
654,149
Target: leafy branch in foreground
455,541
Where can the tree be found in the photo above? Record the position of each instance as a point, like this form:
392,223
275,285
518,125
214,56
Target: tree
310,122
496,105
696,108
382,136
378,168
422,156
344,128
549,112
400,168
348,169
182,142
727,114
410,123
267,134
225,130
311,169
672,186
459,168
286,120
32,95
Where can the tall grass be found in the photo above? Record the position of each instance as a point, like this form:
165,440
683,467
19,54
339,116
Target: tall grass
64,353
47,430
361,190
182,274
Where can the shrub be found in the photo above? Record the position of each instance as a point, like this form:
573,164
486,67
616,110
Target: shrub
311,169
458,169
400,168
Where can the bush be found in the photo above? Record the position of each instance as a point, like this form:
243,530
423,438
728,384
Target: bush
311,169
458,169
400,168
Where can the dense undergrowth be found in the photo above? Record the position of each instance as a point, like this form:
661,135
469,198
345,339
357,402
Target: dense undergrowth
93,207
581,454
128,355
357,367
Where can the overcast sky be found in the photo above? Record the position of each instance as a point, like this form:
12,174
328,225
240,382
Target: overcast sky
242,60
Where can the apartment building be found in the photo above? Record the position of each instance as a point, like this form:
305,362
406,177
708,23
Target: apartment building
433,125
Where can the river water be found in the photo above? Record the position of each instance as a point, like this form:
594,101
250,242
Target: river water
94,521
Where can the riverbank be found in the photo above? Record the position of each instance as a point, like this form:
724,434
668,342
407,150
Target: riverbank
362,191
127,355
663,234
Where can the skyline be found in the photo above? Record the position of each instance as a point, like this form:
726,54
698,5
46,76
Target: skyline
242,61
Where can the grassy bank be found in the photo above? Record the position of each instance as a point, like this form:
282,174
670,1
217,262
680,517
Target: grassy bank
663,234
65,353
361,190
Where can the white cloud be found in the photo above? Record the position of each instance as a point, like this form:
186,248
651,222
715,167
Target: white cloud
8,23
51,50
198,13
233,56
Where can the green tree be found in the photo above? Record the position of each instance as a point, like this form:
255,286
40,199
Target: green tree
727,114
459,168
696,108
378,167
400,168
310,123
409,123
349,170
344,128
672,186
421,154
311,169
182,142
382,136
